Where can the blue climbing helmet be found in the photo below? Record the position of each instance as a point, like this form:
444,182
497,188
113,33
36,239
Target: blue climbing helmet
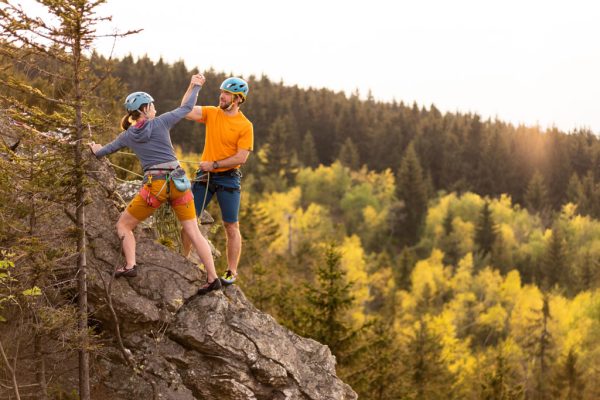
236,86
135,100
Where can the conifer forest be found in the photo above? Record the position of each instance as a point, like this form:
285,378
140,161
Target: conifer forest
438,255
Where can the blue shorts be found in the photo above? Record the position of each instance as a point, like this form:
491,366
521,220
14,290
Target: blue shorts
226,187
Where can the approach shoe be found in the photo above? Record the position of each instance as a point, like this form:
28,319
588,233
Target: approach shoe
209,287
228,278
126,272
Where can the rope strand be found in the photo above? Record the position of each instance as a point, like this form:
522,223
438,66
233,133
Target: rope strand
132,154
125,169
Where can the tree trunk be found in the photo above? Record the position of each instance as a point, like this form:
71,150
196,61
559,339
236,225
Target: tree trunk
41,367
84,357
11,370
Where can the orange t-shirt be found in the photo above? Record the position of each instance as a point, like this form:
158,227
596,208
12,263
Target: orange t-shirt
225,135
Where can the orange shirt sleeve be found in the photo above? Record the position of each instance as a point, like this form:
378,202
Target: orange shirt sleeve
206,111
246,140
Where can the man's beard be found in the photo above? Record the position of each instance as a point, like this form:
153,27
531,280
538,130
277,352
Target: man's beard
225,106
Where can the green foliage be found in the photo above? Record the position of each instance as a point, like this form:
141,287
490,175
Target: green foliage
536,196
405,264
453,282
498,380
412,192
424,361
485,231
569,382
349,156
328,301
48,87
378,374
461,152
308,152
6,281
260,266
554,263
541,346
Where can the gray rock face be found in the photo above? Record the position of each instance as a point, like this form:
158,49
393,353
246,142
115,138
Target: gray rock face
185,346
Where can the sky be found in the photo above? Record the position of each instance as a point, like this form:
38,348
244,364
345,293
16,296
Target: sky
522,61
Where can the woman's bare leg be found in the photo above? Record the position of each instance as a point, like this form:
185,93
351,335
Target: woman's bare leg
192,232
125,227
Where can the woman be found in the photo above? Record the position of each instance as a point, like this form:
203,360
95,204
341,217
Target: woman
149,138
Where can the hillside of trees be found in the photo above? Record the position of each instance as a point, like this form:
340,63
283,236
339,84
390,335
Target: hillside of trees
439,256
458,152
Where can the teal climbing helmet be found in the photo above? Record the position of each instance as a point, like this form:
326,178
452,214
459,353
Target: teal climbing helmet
236,86
136,99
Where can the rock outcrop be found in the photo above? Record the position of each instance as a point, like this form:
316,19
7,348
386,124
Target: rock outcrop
182,346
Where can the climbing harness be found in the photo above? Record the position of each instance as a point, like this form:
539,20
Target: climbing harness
177,175
204,180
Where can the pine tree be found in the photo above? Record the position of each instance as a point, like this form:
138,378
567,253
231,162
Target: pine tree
378,376
485,231
429,377
447,223
589,202
536,196
544,344
497,384
554,264
575,191
405,265
281,154
540,346
326,317
502,256
495,166
449,243
259,232
57,50
328,302
31,195
587,273
558,169
569,382
412,192
472,150
308,152
349,156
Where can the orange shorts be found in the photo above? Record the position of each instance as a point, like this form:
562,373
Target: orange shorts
140,209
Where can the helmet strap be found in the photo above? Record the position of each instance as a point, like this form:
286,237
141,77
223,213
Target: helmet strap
230,106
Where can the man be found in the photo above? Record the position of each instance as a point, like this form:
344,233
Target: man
229,140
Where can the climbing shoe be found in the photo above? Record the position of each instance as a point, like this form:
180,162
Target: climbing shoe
209,287
228,278
126,272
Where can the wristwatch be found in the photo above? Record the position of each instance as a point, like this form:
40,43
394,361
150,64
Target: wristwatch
215,165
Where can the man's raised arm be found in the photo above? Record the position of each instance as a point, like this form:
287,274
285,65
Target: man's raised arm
196,112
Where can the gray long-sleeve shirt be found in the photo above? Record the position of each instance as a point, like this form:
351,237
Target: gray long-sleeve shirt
151,142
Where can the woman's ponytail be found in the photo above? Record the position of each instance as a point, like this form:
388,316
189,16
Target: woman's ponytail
131,117
125,124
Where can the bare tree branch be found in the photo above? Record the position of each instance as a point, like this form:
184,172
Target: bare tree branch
11,370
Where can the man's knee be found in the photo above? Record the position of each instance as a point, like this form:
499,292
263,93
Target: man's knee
232,228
